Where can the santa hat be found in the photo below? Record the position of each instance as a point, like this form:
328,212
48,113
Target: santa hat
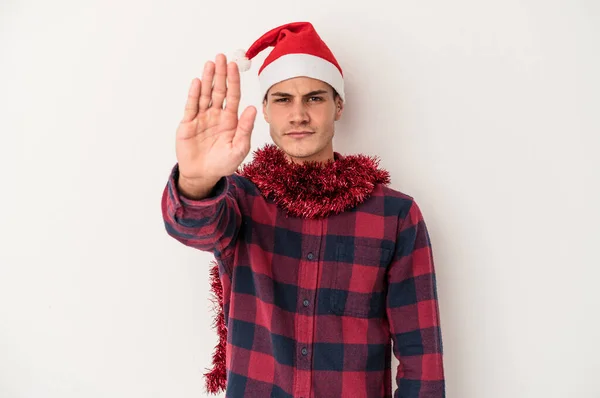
297,51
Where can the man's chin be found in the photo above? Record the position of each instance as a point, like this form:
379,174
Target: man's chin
299,149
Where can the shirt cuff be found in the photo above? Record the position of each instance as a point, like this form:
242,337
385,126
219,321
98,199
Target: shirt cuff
218,193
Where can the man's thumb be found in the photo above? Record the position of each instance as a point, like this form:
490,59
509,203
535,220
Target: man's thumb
246,123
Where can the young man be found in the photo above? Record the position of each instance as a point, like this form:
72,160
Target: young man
320,266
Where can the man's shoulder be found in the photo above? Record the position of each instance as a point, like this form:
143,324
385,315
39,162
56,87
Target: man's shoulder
243,185
395,201
388,191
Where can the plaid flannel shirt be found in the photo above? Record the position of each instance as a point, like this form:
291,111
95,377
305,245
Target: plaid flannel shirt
313,305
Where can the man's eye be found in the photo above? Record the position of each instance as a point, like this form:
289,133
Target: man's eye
316,99
281,99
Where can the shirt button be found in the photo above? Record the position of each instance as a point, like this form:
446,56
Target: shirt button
306,303
310,256
304,351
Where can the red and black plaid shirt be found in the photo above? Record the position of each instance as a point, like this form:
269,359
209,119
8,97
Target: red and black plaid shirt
312,306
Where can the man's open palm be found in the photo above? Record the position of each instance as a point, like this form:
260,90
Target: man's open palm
211,142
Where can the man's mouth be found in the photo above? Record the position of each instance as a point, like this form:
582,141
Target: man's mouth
299,134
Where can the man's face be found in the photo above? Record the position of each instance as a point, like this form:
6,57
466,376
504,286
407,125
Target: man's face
303,105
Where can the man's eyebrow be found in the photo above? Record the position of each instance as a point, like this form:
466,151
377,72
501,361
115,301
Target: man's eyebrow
312,93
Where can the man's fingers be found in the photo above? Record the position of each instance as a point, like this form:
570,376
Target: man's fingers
207,79
220,89
191,106
233,88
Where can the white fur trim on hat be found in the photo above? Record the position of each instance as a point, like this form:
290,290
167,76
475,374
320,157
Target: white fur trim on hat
239,57
295,65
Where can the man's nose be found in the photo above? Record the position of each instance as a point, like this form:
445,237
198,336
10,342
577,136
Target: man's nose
299,113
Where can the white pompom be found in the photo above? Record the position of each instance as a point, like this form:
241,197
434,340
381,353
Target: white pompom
239,57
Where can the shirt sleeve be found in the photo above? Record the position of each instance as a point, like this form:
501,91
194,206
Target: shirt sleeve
210,224
413,313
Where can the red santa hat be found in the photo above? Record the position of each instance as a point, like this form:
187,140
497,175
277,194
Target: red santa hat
297,51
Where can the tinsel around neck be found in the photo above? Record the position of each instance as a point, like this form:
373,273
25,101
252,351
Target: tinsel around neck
314,189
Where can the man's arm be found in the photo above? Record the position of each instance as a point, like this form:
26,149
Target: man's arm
211,143
413,313
209,224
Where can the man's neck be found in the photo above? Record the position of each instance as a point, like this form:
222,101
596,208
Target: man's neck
321,157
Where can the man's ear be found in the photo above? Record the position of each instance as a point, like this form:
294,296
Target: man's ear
264,110
339,108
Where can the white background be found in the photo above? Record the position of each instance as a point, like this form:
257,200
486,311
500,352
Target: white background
486,112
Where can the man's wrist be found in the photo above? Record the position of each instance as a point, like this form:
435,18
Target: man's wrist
197,188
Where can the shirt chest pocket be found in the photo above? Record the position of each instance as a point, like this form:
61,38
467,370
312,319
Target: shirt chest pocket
358,285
